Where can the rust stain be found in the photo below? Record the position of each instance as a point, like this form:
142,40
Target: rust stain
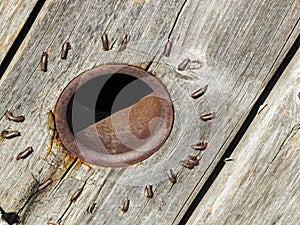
136,120
69,156
81,162
57,141
53,133
52,139
53,223
51,120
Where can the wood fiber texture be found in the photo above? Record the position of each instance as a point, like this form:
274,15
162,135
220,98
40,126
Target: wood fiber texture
13,15
235,47
261,185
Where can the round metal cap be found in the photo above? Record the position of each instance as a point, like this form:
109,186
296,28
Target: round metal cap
114,115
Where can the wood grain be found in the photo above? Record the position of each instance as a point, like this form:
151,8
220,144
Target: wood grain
261,185
13,15
235,47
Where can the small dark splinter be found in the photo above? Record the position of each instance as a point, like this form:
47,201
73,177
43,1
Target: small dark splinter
125,205
45,184
149,191
9,115
65,49
76,195
200,146
10,134
261,108
91,207
228,160
24,154
172,177
52,223
105,42
193,160
198,93
167,49
182,66
187,164
44,61
124,42
208,116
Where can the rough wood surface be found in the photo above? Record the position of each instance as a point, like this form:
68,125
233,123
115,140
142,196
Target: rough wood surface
13,14
261,185
239,45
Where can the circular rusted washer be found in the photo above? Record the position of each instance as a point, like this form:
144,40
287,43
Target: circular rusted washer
125,137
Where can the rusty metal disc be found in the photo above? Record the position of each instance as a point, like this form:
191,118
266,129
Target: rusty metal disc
114,115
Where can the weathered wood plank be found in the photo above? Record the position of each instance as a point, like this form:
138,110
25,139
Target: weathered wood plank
240,53
13,15
261,185
239,46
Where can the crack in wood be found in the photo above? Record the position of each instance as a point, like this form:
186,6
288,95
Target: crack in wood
71,202
289,136
21,36
284,45
68,170
212,25
151,61
35,191
177,18
240,133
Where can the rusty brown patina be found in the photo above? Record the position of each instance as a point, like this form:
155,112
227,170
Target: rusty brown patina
125,136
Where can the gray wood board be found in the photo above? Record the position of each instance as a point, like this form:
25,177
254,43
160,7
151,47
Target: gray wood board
261,185
13,15
239,46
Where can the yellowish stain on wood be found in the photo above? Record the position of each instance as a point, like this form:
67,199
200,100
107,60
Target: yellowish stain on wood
210,208
141,1
295,142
